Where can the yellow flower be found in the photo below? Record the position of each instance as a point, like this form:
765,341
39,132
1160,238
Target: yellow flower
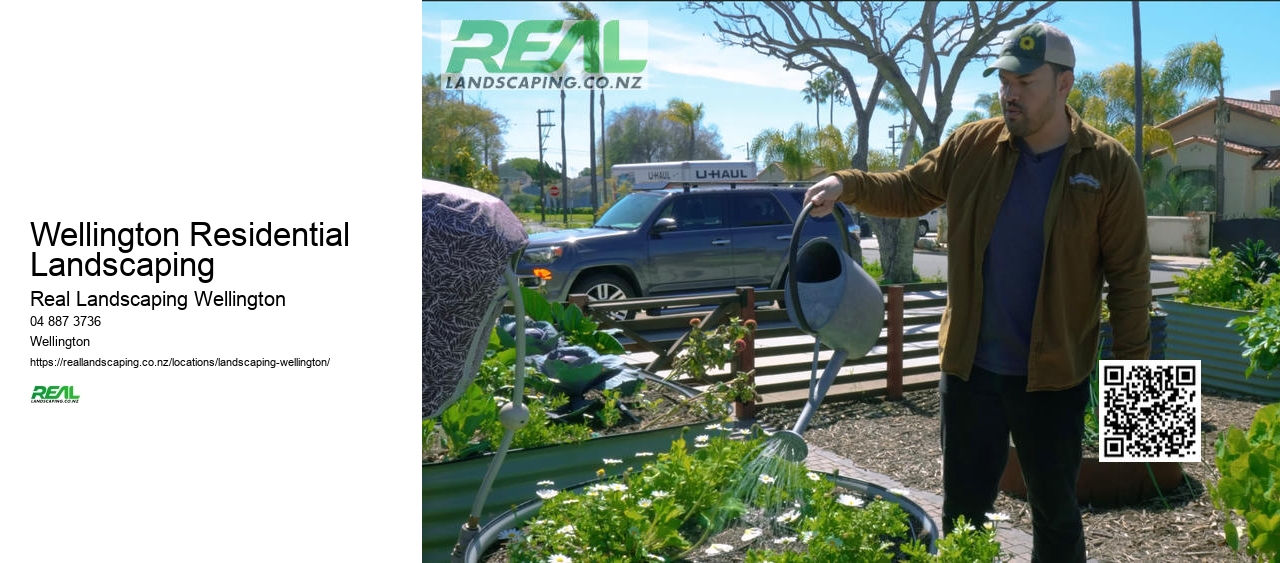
1027,43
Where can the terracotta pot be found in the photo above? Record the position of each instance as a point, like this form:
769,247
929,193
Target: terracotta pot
1104,484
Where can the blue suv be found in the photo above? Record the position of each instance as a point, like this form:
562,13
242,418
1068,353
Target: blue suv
678,241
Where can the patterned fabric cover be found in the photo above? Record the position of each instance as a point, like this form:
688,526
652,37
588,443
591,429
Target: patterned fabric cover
468,241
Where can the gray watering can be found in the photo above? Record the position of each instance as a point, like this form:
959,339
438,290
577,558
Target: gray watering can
831,297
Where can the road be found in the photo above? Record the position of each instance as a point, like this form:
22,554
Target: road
935,263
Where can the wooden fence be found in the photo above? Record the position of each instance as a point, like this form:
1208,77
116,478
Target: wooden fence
904,357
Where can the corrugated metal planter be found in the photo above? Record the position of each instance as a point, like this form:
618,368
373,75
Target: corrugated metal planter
1159,333
449,488
1199,332
1105,484
519,514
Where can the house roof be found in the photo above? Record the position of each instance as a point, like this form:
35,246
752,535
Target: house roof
1266,111
1270,155
1271,161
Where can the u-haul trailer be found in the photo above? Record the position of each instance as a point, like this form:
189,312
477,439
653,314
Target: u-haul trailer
656,175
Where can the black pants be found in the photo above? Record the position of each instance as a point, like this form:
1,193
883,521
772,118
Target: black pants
977,418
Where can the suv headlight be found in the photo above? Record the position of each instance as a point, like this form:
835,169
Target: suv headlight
544,255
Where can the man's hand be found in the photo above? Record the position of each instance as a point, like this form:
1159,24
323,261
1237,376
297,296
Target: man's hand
824,195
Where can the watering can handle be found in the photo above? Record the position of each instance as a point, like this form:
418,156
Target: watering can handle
793,295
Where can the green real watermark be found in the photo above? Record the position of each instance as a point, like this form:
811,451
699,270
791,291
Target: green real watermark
54,394
544,54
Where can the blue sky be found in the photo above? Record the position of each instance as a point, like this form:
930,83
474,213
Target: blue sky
744,92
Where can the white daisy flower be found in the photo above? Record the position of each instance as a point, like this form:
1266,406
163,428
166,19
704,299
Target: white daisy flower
751,534
812,476
569,501
767,479
788,517
718,548
807,536
654,557
644,454
900,492
715,426
660,494
702,438
997,516
785,540
558,558
850,500
617,487
645,503
611,461
546,494
546,483
567,530
512,534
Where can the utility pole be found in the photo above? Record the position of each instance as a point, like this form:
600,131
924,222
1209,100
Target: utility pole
542,182
893,137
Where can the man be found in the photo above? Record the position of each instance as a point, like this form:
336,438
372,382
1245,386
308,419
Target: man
1041,208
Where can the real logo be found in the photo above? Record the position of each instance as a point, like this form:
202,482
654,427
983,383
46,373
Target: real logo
65,393
536,54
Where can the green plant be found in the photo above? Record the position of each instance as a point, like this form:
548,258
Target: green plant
705,350
576,386
1215,283
1249,487
1272,212
742,388
671,507
1260,338
1255,260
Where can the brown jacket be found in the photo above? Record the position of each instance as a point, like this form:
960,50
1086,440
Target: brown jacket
1095,227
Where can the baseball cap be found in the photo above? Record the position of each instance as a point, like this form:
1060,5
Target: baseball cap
1032,45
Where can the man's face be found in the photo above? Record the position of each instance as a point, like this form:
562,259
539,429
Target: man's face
1029,100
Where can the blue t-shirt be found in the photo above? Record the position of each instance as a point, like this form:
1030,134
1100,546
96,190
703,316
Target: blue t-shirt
1012,262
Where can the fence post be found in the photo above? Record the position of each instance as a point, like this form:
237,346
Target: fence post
893,352
746,361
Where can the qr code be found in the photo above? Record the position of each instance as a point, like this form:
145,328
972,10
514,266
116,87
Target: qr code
1149,410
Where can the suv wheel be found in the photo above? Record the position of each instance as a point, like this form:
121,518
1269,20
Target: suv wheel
606,287
922,229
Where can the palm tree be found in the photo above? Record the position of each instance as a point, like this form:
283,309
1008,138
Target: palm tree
590,44
1180,195
814,92
793,150
1199,66
836,93
686,114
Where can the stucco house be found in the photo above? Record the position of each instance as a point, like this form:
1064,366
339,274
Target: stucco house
1252,151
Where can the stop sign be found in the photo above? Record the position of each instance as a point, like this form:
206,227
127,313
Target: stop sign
554,191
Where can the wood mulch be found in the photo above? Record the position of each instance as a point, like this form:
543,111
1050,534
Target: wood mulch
901,439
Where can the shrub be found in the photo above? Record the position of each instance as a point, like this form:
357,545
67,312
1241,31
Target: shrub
1249,463
1215,283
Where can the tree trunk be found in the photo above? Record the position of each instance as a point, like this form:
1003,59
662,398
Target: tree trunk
564,165
591,126
1220,130
1138,155
604,155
